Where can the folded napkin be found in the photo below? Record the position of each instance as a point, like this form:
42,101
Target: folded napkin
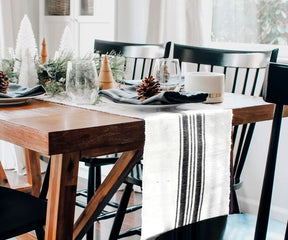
129,95
17,91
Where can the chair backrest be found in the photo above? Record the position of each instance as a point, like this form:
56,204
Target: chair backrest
244,73
275,90
139,58
244,70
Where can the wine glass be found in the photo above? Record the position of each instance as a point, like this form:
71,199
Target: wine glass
82,83
167,72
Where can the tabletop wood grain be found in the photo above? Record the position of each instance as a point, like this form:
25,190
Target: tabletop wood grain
51,128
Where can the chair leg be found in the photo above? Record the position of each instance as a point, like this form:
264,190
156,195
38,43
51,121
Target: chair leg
91,183
98,177
90,193
117,224
40,233
234,205
242,158
267,187
45,184
286,232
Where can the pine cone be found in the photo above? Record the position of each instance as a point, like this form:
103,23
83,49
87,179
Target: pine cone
4,83
148,88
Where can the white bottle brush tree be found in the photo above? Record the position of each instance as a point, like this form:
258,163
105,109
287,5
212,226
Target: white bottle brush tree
66,45
27,53
28,74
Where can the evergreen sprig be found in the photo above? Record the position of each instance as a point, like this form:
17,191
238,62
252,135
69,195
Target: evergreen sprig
52,74
8,69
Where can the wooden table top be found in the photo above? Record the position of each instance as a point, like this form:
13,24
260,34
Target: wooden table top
55,128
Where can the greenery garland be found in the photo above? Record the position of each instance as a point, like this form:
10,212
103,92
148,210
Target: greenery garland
52,74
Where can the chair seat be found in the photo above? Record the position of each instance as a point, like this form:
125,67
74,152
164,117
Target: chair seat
19,212
235,226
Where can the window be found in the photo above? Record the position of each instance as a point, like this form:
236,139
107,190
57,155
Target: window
251,21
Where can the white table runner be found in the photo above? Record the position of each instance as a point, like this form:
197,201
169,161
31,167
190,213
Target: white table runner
186,169
186,163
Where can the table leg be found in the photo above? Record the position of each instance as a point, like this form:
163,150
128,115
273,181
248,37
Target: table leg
33,171
105,192
62,196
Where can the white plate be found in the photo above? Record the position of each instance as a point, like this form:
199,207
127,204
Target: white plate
16,101
142,106
137,82
132,82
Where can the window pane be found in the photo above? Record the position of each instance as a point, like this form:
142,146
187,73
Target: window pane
250,21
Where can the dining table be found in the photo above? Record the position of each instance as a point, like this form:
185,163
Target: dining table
68,133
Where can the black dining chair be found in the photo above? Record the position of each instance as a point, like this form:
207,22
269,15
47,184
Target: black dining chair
244,74
245,226
139,62
139,57
21,212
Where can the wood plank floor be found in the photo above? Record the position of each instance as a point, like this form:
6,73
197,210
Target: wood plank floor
102,228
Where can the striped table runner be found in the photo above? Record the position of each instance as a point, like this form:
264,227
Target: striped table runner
186,169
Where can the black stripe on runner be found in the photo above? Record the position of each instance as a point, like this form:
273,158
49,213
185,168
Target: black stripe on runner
179,170
199,166
203,165
185,159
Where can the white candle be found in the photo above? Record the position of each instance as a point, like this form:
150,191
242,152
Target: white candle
209,82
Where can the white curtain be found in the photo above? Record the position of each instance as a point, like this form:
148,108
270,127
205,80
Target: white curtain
180,21
11,14
131,20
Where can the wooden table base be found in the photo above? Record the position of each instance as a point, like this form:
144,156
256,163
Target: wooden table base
33,171
62,196
106,191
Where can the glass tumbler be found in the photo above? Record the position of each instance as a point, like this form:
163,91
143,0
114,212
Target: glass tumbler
82,83
167,72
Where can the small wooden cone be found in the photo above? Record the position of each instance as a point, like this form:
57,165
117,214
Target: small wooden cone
44,54
106,80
